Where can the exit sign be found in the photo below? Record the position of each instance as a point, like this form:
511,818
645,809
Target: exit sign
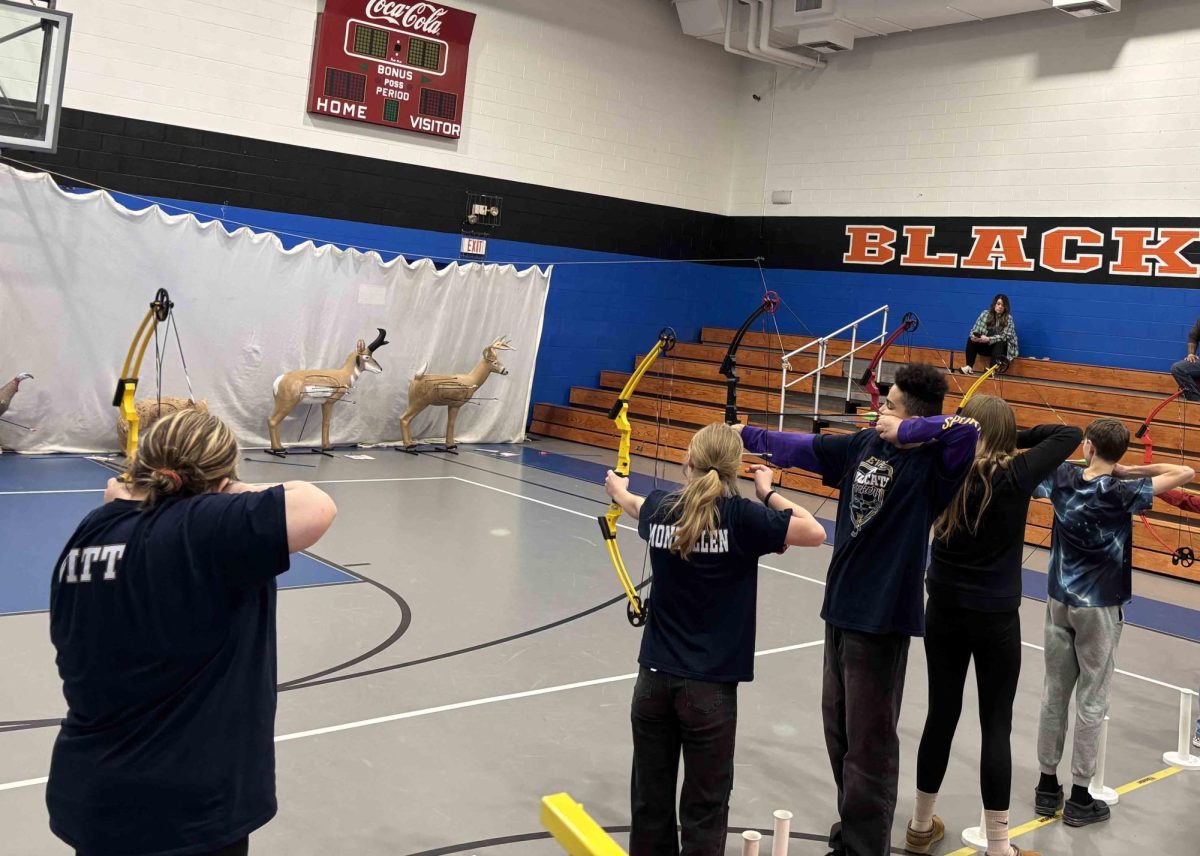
473,246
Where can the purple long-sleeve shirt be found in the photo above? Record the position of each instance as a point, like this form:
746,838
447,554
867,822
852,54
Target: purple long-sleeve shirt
956,434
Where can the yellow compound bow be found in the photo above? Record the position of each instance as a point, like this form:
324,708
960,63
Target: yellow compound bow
159,311
636,611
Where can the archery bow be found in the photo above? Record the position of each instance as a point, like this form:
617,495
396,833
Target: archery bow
1180,555
635,611
908,324
770,303
975,386
161,311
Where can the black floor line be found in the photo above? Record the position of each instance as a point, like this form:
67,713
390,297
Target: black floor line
448,654
543,836
400,629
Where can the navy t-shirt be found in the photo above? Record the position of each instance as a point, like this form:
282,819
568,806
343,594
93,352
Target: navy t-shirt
1091,545
164,624
702,611
890,498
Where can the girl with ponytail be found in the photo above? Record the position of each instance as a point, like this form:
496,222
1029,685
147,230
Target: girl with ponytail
974,583
162,611
705,542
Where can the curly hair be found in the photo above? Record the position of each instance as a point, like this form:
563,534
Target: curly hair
923,387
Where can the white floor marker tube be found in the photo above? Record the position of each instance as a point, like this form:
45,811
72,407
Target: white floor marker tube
783,833
1097,788
750,840
976,836
1183,756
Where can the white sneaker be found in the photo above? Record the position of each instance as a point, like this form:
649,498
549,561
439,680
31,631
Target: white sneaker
966,370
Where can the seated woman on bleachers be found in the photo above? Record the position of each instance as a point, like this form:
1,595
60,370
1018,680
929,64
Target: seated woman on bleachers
994,334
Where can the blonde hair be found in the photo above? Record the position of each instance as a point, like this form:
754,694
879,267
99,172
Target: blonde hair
994,452
183,454
714,455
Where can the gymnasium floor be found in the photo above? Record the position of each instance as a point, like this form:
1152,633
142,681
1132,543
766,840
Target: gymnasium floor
455,648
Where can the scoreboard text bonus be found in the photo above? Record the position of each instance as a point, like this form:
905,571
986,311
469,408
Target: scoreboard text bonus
403,65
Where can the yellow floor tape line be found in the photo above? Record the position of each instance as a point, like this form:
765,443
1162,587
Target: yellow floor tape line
1042,822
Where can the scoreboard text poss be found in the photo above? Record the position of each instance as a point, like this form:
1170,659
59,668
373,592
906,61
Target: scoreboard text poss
403,65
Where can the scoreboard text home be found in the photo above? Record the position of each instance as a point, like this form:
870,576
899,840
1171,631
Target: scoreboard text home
403,65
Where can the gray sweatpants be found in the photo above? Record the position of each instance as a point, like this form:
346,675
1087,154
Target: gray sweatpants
1081,647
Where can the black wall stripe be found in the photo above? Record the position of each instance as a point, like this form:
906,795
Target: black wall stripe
154,159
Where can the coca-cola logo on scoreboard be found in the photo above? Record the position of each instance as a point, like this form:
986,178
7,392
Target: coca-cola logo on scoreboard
401,65
425,17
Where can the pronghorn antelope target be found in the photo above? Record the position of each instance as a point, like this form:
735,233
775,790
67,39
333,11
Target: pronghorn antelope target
325,387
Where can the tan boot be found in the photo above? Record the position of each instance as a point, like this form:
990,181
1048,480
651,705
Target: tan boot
922,842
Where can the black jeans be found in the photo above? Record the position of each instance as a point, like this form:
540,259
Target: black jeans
671,714
953,636
1185,375
998,351
860,703
239,848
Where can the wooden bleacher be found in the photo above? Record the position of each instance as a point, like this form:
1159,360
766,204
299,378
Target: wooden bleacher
685,391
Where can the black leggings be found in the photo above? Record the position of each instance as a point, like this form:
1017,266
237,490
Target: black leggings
953,636
238,848
998,351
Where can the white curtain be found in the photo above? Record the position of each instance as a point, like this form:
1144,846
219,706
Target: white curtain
77,273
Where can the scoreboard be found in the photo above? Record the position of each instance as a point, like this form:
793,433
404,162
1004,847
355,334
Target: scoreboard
402,65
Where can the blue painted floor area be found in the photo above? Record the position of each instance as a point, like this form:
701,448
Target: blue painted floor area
1142,612
51,472
1156,615
35,526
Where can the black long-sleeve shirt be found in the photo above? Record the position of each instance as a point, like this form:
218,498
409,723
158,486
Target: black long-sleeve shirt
983,571
1194,337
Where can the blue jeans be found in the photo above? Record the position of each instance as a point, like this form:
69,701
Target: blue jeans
1185,375
671,715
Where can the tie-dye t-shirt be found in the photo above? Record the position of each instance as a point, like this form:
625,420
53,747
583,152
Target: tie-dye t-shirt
1091,551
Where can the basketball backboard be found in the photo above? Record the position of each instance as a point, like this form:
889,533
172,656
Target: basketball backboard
33,60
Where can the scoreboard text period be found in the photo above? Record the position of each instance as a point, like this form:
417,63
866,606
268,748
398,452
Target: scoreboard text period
403,65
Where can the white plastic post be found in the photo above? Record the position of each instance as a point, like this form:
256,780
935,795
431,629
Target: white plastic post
750,840
1184,757
976,836
783,833
1097,788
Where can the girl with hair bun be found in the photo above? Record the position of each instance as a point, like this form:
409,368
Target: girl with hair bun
162,611
698,644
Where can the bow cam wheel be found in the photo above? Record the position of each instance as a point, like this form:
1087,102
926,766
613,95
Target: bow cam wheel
637,619
1185,556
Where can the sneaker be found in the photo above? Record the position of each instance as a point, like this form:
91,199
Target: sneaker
922,842
1077,814
966,370
1048,803
1196,735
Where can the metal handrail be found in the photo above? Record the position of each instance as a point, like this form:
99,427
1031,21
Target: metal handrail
823,361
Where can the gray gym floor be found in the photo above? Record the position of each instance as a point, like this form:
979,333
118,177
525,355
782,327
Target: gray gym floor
473,673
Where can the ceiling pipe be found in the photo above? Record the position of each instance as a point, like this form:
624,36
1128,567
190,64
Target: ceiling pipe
760,20
729,48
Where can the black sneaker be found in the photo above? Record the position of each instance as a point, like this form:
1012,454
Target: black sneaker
1048,803
1083,814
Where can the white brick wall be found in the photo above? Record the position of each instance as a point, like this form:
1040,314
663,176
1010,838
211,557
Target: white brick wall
1032,115
602,96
